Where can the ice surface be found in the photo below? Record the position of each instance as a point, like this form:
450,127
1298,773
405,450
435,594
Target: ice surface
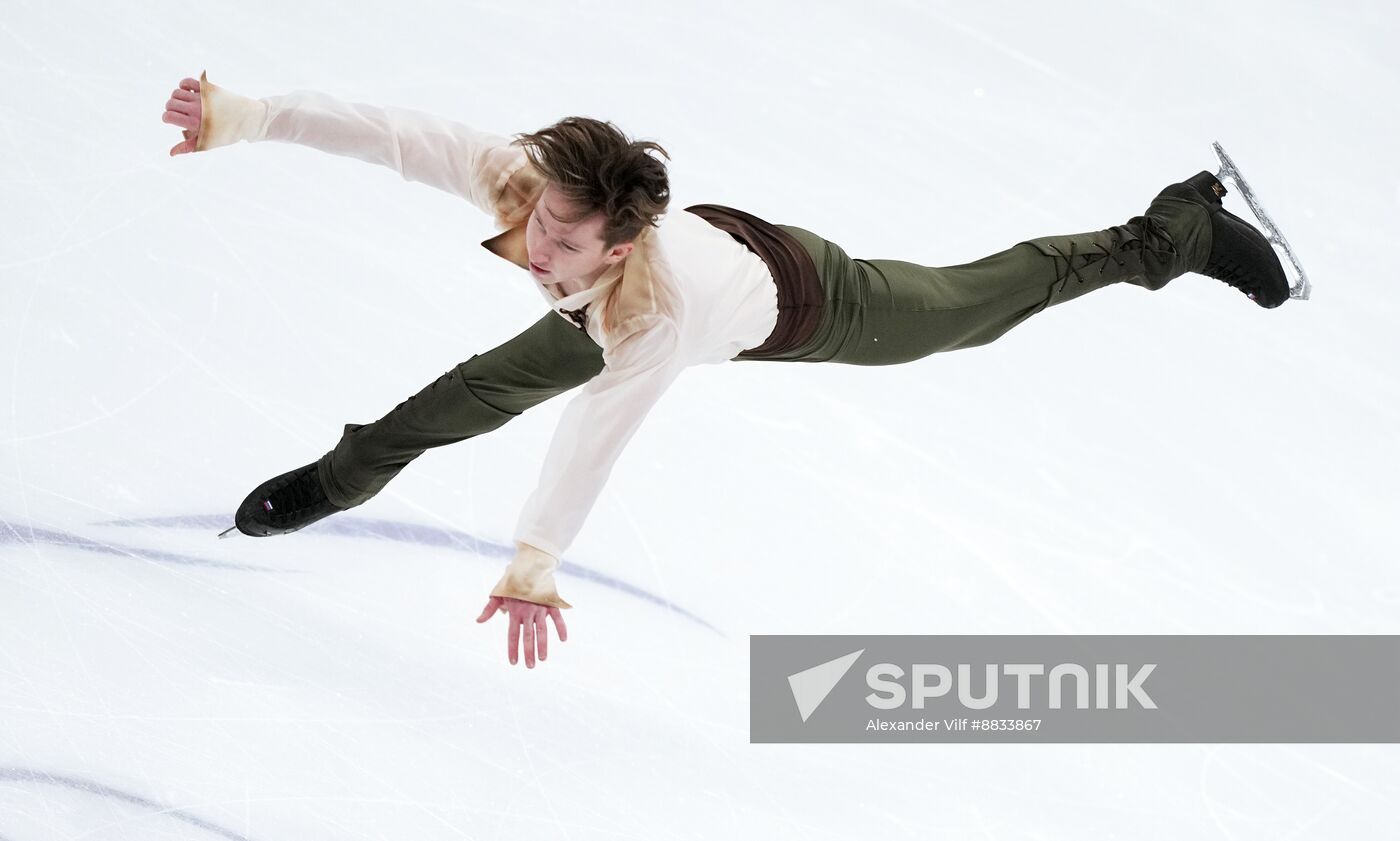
176,330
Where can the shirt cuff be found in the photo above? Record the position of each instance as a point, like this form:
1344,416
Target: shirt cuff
530,577
226,117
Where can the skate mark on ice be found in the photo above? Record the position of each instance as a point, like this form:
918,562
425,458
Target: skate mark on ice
422,535
9,533
29,775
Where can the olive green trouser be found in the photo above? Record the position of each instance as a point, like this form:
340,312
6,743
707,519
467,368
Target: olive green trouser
878,312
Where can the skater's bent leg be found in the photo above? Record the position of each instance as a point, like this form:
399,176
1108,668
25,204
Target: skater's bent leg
475,397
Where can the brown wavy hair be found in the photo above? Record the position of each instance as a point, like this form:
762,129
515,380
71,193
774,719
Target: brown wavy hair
598,168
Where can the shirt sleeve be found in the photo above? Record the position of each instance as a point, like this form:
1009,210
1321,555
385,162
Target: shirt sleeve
421,147
595,427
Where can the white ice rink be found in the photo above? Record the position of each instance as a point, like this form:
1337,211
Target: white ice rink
173,331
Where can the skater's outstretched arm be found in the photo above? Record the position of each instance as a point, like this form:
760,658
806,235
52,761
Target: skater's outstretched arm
594,429
421,147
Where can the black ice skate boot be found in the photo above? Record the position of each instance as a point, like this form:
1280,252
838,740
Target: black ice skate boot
284,504
1239,254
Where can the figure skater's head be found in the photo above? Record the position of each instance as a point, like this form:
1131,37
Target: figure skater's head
603,190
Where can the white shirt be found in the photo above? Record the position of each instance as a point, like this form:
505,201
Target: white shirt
719,297
725,301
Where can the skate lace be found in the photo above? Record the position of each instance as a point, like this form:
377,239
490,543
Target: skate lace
1124,246
301,492
1238,275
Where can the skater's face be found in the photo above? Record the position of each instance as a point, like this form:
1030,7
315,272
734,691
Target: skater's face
564,251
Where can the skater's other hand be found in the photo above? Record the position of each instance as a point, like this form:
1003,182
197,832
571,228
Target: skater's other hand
183,109
530,618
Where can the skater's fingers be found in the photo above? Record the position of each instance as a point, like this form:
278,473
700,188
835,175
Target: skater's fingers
184,110
181,116
513,639
186,121
183,106
542,634
529,624
191,141
493,604
559,623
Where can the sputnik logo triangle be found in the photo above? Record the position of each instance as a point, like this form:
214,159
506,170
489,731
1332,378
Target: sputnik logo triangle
811,686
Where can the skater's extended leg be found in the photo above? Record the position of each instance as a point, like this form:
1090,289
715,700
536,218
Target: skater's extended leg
477,396
883,312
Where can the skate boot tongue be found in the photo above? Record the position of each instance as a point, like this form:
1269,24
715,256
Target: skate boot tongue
1210,188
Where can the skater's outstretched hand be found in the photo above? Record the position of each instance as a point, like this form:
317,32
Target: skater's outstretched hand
530,617
183,110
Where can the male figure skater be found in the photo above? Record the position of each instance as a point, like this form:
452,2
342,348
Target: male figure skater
638,294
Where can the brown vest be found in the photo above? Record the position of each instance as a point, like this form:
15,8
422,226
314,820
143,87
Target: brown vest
800,295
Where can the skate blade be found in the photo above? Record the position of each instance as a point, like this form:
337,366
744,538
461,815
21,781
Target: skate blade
1299,286
225,532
